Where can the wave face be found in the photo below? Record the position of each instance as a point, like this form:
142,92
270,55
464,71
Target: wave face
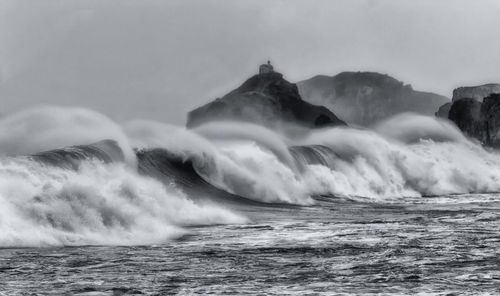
170,168
244,167
106,151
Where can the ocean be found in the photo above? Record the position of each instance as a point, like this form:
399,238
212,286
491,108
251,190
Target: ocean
430,246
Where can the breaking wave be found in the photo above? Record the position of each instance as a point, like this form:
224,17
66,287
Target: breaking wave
45,128
243,167
406,156
409,155
96,204
109,193
86,194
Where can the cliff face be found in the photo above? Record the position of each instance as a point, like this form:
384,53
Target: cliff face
266,99
444,110
478,120
363,98
475,92
466,114
490,110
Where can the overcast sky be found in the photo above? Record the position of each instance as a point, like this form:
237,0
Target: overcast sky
158,59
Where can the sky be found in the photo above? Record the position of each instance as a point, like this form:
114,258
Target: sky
157,59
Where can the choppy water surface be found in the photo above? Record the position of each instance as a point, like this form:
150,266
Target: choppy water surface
442,246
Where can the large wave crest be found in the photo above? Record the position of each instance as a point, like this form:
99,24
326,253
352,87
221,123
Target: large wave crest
109,193
96,204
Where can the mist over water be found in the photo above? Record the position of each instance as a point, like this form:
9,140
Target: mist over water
410,128
51,127
273,141
112,203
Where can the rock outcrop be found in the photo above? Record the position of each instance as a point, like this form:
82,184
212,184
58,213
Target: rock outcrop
364,98
478,120
490,111
266,99
475,92
444,110
466,114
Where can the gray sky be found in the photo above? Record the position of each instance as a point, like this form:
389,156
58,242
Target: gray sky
158,59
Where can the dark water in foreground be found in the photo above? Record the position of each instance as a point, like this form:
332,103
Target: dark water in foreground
437,246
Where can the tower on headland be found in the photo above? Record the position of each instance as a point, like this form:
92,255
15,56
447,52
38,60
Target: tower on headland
266,68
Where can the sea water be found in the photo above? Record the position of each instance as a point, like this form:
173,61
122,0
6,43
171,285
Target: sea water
446,245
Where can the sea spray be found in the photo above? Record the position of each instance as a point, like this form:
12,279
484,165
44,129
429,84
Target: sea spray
105,204
50,127
411,127
426,156
241,166
406,156
231,131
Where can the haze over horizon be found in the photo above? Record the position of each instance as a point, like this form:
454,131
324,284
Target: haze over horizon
157,60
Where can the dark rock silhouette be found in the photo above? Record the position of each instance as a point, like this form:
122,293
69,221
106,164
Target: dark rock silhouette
363,98
490,110
466,114
267,99
477,93
444,110
478,120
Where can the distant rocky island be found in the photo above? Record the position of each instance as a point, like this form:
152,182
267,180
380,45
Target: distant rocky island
363,98
476,111
268,99
358,98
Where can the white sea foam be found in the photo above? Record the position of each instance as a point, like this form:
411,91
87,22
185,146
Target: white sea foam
97,204
406,156
242,166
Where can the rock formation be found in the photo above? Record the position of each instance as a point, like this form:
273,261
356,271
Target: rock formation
267,99
444,110
477,93
466,114
363,98
478,120
490,110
